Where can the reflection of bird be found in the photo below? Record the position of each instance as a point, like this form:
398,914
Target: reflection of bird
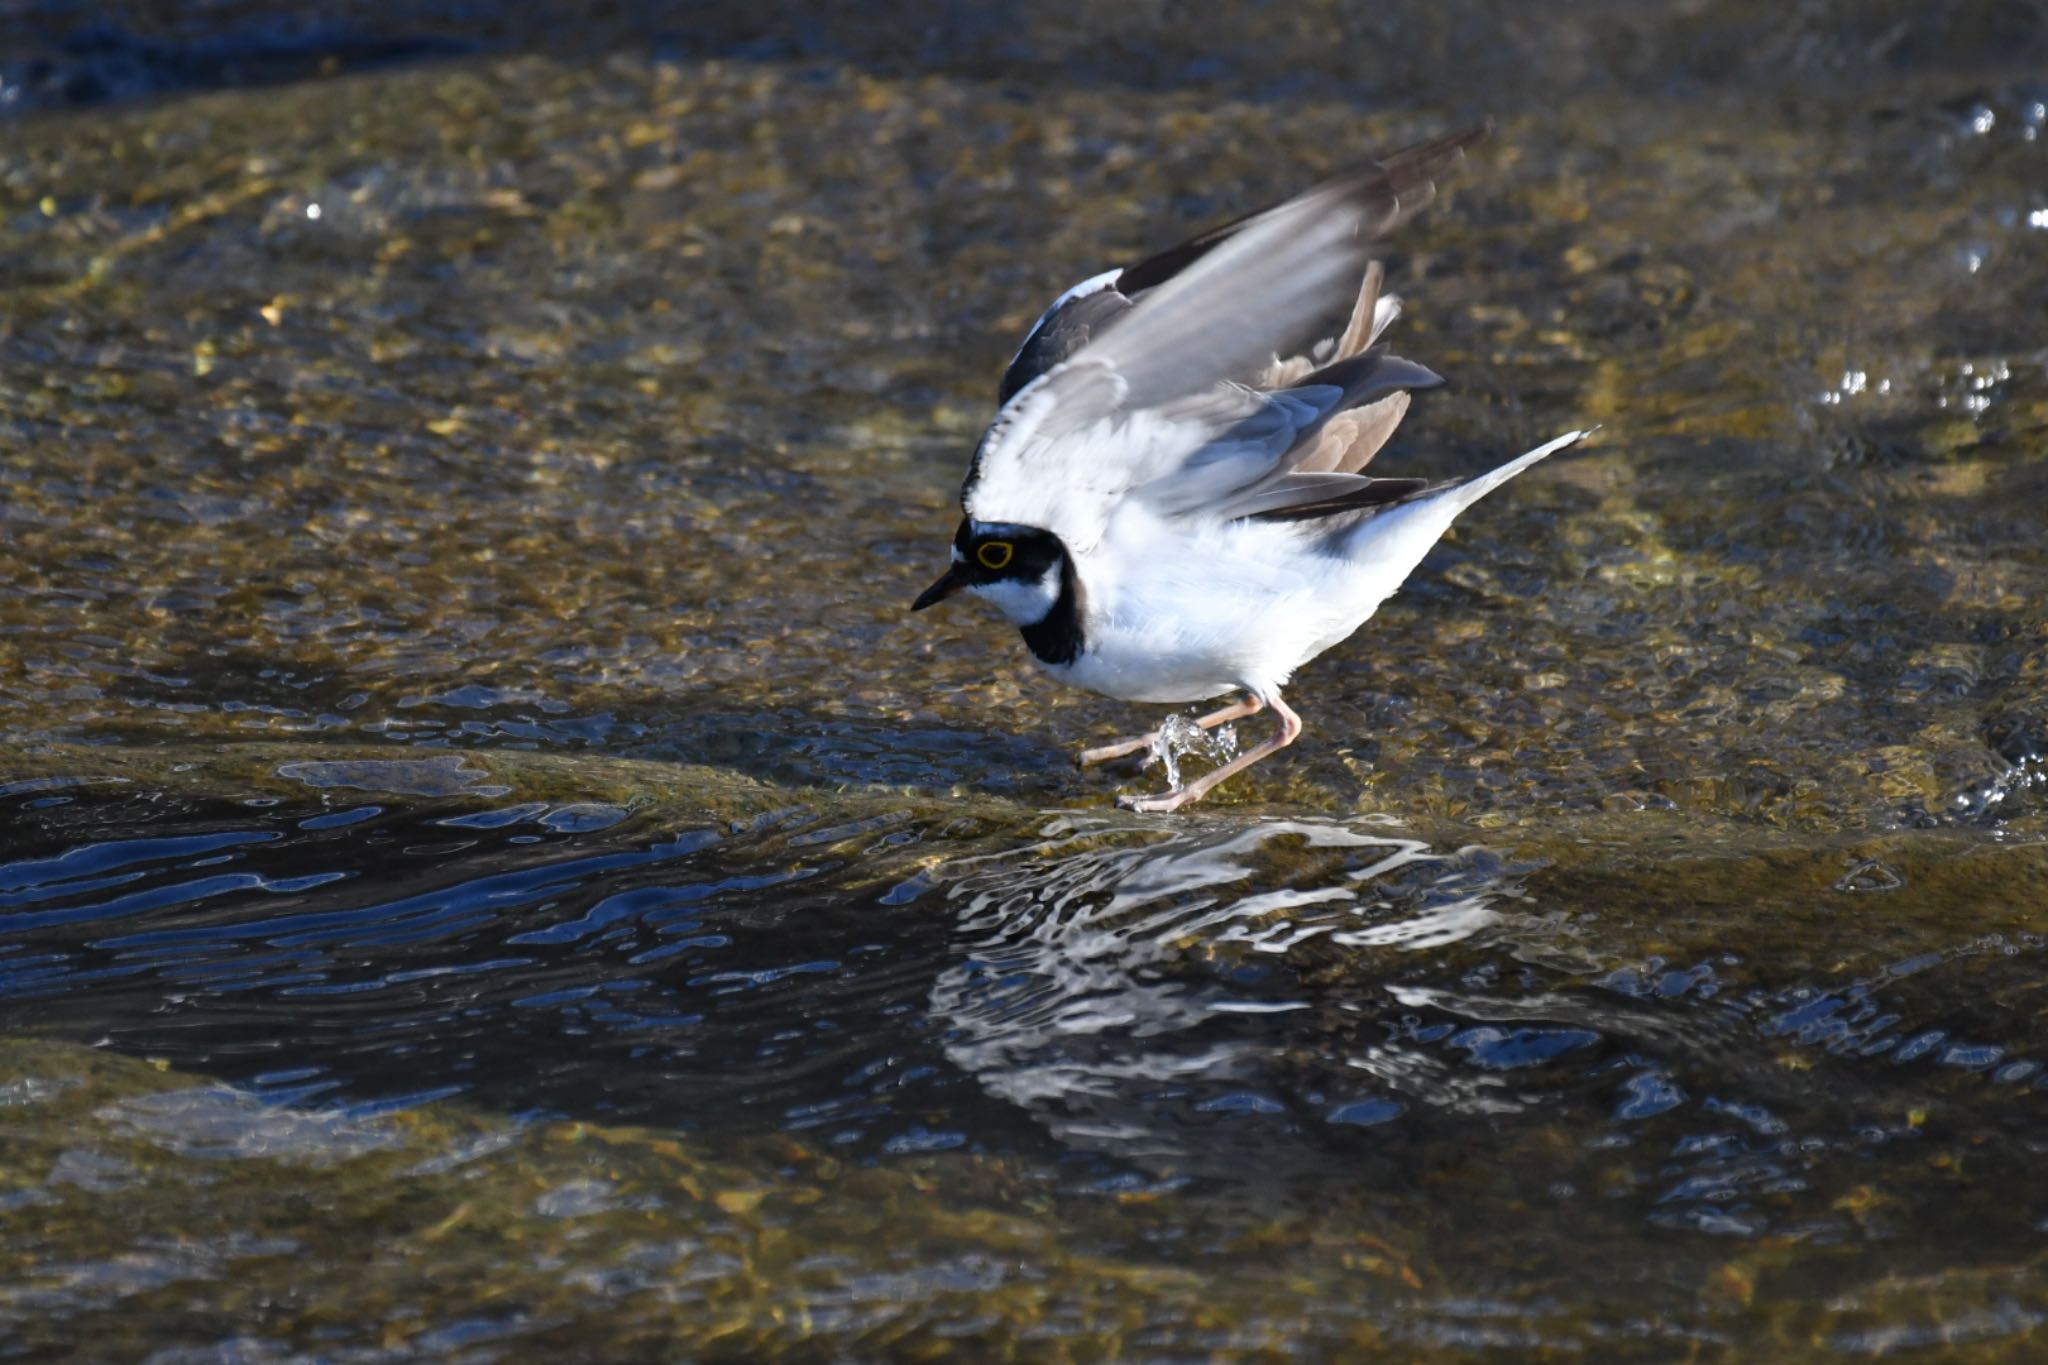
1172,512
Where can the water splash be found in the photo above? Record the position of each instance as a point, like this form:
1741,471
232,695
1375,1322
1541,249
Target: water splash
1181,736
2003,795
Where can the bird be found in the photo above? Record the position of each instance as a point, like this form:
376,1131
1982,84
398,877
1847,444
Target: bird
1170,502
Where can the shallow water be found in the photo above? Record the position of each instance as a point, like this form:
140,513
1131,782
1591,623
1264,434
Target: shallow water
488,865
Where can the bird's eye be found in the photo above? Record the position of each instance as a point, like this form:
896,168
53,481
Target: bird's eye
995,554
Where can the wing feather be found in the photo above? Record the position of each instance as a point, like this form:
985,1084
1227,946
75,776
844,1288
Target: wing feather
1156,401
1293,497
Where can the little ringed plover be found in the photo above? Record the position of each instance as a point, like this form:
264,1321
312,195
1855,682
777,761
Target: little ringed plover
1171,502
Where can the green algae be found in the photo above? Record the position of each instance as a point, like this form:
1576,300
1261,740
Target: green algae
432,1225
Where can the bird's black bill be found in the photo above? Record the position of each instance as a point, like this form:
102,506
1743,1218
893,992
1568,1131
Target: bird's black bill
955,579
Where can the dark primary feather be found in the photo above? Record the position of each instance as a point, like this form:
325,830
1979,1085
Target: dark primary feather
1069,325
1364,492
1059,334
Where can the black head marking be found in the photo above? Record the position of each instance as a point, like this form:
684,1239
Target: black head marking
999,552
1056,637
996,551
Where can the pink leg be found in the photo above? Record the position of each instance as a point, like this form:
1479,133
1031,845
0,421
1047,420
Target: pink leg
1250,706
1290,730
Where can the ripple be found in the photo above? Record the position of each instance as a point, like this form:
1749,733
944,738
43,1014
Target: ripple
217,1122
1300,1013
448,775
1070,999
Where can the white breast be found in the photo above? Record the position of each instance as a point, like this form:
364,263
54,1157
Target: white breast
1178,614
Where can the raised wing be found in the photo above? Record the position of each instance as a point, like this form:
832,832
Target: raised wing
1159,396
1075,319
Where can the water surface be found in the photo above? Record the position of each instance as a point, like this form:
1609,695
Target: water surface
488,865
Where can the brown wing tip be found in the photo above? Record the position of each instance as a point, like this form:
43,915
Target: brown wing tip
1404,182
1421,164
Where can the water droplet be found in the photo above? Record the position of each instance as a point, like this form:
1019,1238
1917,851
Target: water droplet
1180,736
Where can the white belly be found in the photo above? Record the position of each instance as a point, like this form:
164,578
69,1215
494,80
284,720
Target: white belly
1174,610
1238,608
1125,669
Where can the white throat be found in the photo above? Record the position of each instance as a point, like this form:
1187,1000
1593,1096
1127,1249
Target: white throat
1025,603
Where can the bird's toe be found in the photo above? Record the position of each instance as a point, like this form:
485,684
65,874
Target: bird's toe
1144,745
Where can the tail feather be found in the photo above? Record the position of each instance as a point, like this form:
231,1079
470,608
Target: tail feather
1397,538
1471,491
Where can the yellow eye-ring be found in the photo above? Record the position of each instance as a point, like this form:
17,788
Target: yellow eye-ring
995,554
